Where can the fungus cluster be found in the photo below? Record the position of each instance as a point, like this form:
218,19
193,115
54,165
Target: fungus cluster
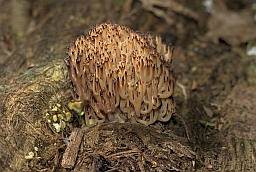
114,69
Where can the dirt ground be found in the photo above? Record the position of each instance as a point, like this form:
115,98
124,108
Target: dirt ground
215,65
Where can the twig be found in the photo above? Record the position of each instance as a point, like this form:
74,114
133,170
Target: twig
125,153
70,154
183,89
186,128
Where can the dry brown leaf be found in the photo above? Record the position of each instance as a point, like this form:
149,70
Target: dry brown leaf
232,27
208,111
193,85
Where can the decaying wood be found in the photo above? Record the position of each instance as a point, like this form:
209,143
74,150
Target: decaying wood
134,147
70,155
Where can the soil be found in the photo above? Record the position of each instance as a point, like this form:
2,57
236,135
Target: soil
215,93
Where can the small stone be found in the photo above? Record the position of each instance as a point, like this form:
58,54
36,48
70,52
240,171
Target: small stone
30,156
54,109
57,127
54,118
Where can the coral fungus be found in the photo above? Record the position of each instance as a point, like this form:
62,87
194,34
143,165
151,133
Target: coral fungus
115,70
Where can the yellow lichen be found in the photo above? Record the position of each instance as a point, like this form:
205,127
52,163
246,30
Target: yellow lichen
58,116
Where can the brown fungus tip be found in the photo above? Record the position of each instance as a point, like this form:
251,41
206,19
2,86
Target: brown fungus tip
120,72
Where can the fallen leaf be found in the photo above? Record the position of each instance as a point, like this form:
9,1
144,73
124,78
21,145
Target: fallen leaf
232,27
208,111
193,85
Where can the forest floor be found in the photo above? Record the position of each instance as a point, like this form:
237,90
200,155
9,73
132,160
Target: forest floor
214,61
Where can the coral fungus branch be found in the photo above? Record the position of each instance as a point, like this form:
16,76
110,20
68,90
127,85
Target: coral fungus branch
114,69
